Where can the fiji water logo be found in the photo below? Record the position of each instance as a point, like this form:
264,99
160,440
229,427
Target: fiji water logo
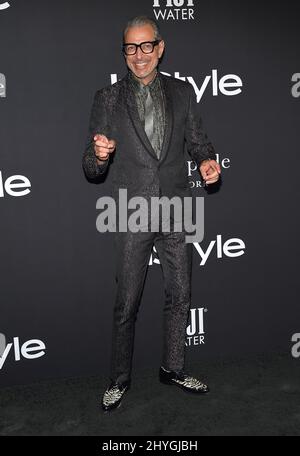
173,10
195,330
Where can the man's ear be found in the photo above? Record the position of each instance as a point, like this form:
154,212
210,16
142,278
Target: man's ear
161,48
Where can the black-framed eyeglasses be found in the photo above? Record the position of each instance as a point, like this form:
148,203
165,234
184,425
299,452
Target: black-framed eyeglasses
146,47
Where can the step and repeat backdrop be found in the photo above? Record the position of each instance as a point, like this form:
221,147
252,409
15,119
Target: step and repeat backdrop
57,271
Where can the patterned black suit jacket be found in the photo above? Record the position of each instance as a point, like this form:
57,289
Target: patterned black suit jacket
134,164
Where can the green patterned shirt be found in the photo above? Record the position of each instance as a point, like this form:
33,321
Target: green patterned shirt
159,111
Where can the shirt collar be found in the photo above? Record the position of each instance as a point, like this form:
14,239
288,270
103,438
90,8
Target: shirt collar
139,86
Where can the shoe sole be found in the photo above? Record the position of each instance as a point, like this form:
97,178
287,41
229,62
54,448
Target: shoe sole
112,409
184,388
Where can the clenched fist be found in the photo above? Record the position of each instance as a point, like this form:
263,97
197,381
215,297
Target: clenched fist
103,147
210,171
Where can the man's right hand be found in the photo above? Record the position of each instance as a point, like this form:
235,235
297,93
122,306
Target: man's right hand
103,147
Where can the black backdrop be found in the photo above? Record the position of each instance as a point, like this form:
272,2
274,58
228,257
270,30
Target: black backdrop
57,273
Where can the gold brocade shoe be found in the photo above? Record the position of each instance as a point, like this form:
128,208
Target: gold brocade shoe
182,380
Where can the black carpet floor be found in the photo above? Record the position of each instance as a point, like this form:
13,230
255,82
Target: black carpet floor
254,396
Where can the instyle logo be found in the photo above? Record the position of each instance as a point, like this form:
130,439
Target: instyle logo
173,10
31,349
2,86
13,182
232,248
228,85
2,343
295,90
4,5
195,330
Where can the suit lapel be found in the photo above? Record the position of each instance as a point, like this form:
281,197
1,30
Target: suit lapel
135,118
168,115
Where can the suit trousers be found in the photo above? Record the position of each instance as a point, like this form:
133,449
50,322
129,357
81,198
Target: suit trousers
133,252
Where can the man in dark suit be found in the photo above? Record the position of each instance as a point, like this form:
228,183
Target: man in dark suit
138,128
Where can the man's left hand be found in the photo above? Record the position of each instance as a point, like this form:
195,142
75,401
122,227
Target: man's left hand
210,171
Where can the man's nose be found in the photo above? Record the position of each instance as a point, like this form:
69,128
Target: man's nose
139,53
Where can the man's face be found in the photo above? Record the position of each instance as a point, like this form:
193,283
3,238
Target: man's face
143,65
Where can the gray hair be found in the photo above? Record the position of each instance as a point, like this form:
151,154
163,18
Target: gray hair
138,21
